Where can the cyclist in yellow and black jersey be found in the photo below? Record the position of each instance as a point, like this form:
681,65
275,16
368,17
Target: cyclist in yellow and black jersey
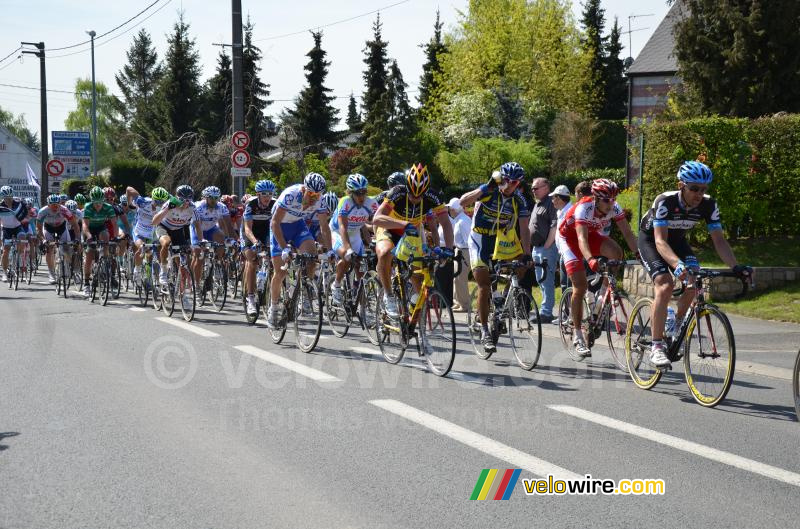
402,213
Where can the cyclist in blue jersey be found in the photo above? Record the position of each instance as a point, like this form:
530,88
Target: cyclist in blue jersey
215,223
294,207
255,230
143,231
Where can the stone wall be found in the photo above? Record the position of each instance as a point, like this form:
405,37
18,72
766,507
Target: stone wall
637,283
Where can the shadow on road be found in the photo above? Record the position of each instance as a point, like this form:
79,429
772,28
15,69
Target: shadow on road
3,435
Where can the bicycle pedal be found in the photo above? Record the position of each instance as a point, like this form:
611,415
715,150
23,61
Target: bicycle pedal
664,369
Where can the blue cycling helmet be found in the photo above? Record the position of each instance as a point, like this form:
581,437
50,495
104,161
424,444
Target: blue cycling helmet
211,192
695,173
512,171
356,182
72,205
314,182
265,186
123,200
185,192
397,178
63,197
53,199
330,201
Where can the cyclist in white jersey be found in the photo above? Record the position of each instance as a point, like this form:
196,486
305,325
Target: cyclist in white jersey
144,231
215,223
172,225
352,214
296,205
51,224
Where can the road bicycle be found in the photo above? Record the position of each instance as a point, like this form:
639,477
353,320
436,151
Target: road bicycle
301,303
102,271
146,285
605,313
359,285
215,276
796,386
263,281
14,265
64,261
180,282
425,317
704,340
513,313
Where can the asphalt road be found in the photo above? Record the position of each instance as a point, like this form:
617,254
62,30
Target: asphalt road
120,417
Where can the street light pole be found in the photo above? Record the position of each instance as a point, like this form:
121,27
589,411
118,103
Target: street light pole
94,110
45,178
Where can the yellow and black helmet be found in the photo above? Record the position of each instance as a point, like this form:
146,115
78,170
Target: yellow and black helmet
417,179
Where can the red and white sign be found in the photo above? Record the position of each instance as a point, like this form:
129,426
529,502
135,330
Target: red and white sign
55,167
240,139
240,158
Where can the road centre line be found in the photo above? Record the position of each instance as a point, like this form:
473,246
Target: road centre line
189,327
137,309
496,449
300,369
707,452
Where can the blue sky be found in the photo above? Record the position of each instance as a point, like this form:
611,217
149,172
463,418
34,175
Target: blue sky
405,26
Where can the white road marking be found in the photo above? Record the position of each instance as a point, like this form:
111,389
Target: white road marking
367,351
137,309
744,366
189,327
719,456
300,369
477,441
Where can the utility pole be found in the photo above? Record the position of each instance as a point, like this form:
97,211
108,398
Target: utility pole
45,178
237,183
94,111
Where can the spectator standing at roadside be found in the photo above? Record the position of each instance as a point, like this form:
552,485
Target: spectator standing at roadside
562,203
544,219
462,226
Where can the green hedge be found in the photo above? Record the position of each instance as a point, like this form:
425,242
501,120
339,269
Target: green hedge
756,165
572,178
140,174
608,148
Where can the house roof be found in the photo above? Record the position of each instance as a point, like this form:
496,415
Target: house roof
4,131
658,55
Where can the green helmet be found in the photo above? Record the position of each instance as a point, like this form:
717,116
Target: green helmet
96,194
80,199
160,194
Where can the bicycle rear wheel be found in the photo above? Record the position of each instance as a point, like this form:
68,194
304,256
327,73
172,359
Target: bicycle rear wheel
29,265
709,357
17,268
308,315
566,328
105,280
392,335
219,286
279,331
115,279
525,336
338,316
638,339
437,333
615,320
62,280
188,297
168,302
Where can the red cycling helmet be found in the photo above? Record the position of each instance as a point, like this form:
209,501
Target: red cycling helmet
604,188
109,194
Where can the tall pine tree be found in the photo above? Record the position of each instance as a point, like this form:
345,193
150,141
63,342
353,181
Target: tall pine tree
138,81
313,117
375,160
180,90
256,93
353,115
593,22
431,70
402,120
616,88
216,114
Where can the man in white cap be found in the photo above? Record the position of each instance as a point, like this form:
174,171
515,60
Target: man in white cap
461,228
562,203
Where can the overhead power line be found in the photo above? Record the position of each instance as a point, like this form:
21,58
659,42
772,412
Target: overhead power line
302,31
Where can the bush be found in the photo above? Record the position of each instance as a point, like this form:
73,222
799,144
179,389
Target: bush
73,186
475,164
343,162
572,179
756,165
608,147
135,173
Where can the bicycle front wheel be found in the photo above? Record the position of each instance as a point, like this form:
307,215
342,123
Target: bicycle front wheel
62,280
566,327
277,333
371,291
219,286
638,339
105,280
308,315
525,336
438,333
338,317
796,386
392,338
709,356
188,298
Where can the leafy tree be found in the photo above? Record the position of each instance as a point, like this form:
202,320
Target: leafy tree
313,116
353,115
402,120
111,139
616,87
432,69
475,164
740,56
18,126
256,93
216,114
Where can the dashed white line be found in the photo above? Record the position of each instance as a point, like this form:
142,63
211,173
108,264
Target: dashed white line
300,369
137,309
189,327
719,456
477,441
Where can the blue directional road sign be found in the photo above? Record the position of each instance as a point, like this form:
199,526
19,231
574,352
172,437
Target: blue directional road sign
71,143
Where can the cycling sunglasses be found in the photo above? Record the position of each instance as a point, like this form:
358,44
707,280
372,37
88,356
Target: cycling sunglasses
697,189
360,193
